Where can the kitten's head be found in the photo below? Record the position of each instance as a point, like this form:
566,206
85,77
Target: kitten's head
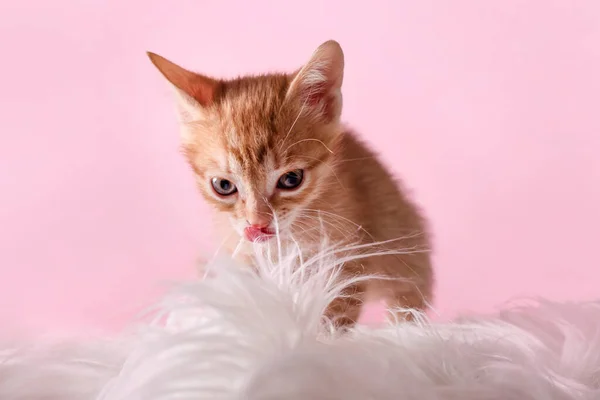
261,147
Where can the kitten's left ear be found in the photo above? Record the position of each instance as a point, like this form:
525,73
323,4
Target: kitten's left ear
317,85
195,92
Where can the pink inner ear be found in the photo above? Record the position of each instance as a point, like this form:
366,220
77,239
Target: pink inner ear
203,91
318,97
315,93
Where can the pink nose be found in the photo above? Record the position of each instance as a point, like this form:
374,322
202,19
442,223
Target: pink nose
258,233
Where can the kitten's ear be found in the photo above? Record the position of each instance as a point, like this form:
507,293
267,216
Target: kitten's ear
317,85
194,91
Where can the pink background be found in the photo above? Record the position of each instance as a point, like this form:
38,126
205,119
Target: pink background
489,110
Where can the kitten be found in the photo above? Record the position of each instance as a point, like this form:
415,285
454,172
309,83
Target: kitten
270,152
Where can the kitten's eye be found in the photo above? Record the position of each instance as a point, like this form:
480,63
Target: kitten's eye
223,187
290,180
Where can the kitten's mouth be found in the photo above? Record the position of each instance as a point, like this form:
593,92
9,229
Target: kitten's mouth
254,234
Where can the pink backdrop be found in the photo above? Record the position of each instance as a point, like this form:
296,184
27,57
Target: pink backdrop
489,110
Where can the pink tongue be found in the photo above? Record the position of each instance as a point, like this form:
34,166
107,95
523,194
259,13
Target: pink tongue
253,233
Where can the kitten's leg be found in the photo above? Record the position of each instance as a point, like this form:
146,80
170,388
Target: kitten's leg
402,300
408,286
344,310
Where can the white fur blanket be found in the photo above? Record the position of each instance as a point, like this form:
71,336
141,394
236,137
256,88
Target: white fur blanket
236,335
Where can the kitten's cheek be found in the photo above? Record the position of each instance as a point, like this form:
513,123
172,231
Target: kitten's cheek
219,204
237,225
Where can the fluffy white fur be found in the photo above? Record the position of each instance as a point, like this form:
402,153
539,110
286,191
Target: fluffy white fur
238,335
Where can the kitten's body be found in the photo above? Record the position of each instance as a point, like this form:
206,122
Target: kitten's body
249,131
365,205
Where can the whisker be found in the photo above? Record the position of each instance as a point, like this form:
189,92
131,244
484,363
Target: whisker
321,220
310,230
297,116
343,218
357,159
308,219
376,244
305,231
309,140
275,220
331,169
237,248
294,123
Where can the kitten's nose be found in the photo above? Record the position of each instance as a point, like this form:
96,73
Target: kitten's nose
257,225
258,220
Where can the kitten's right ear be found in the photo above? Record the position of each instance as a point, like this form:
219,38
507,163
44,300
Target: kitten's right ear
194,91
318,84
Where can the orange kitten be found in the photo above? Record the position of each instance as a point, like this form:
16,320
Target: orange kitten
270,151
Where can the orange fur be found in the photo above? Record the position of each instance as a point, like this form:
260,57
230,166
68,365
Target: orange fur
251,130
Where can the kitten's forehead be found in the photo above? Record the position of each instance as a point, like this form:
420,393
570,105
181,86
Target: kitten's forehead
256,131
253,177
249,111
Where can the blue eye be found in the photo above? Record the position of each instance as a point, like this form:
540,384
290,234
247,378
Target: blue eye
290,180
223,187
